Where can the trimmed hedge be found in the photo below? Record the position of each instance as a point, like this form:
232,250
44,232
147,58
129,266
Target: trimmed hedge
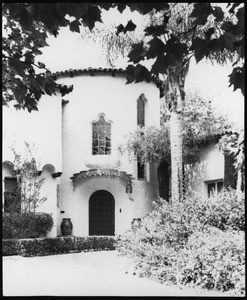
58,245
26,225
10,247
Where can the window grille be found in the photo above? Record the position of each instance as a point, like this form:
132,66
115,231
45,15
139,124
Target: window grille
101,130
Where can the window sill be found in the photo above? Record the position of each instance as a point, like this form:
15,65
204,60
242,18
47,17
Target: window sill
102,162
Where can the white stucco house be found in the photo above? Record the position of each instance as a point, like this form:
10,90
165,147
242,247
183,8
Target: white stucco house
88,178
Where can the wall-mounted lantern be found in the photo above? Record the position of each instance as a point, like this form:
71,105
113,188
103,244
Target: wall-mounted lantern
129,191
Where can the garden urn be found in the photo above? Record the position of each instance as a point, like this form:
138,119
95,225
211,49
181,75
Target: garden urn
66,227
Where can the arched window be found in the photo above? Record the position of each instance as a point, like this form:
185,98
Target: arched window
101,137
141,168
140,112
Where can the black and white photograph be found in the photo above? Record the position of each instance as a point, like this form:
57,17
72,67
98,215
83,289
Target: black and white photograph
123,160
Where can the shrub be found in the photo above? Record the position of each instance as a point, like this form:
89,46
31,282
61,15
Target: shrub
194,236
30,183
47,246
43,223
83,244
101,242
155,244
10,247
214,259
68,244
227,210
26,225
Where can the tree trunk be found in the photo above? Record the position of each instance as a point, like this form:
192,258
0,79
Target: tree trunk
176,80
176,139
163,179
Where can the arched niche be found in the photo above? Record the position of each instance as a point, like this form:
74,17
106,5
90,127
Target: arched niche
48,169
7,168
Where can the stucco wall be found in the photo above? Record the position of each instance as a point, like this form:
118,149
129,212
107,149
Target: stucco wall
42,127
76,203
211,168
111,96
118,102
49,191
62,135
215,162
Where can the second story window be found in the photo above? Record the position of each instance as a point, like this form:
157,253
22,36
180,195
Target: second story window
141,168
140,112
101,137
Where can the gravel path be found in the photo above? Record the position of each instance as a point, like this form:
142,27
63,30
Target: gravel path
81,274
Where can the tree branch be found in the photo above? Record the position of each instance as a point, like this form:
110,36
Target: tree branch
9,57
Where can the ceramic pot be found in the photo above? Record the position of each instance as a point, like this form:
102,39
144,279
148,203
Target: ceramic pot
66,227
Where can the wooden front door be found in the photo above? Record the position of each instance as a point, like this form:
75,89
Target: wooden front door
101,213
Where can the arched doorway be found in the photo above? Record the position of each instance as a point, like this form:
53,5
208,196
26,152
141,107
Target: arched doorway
101,213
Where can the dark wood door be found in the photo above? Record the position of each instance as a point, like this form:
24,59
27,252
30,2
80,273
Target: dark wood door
101,213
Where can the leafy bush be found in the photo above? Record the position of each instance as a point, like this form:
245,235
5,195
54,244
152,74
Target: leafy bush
197,242
26,195
203,124
43,223
68,244
214,259
227,210
10,247
26,225
154,245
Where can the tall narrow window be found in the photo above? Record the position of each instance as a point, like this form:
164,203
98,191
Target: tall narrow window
140,112
101,137
141,170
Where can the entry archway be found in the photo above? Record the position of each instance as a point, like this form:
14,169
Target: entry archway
101,213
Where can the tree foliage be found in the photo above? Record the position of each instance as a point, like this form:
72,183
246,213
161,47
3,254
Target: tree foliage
27,193
26,26
202,124
233,144
113,44
202,31
24,37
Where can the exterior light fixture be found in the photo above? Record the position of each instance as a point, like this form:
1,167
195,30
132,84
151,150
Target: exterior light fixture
128,189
